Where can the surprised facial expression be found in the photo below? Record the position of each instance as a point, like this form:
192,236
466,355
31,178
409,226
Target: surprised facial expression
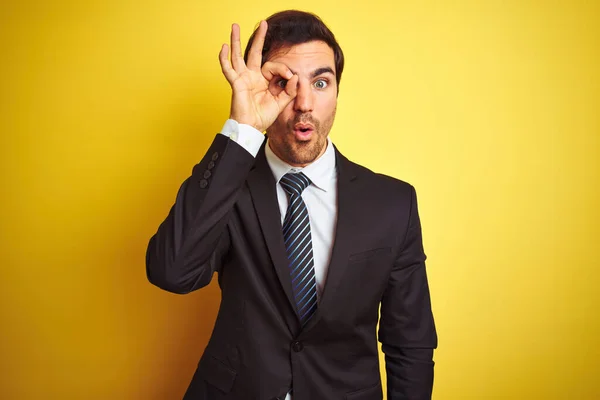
299,134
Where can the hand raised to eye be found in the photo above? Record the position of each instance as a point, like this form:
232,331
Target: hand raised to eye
251,101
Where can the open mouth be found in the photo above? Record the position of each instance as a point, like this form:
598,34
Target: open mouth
303,128
303,132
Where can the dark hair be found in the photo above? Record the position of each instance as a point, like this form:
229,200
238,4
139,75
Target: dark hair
291,27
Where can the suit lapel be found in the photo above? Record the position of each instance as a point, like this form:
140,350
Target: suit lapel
262,188
264,196
346,210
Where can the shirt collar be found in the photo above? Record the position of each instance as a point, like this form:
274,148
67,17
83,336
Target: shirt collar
321,172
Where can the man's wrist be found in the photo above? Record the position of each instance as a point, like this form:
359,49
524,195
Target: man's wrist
244,121
245,135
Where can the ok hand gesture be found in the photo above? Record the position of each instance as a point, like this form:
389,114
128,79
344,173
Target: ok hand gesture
251,102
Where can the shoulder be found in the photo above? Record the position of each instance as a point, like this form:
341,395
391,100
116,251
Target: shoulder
378,182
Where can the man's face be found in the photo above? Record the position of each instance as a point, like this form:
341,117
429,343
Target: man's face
299,134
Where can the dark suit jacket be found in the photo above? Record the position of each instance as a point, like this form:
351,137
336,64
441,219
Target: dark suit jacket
226,219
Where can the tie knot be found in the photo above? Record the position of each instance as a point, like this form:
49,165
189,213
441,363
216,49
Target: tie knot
294,183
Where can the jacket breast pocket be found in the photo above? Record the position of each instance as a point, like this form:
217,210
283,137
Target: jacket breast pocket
217,373
370,393
364,255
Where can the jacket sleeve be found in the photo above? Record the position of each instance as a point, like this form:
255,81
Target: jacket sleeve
407,330
187,248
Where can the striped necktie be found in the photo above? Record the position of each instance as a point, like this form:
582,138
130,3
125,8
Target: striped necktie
298,244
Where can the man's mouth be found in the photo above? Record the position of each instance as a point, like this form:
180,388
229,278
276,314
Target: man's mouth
303,131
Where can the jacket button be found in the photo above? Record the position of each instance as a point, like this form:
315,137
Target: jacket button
207,174
215,156
203,183
211,165
297,346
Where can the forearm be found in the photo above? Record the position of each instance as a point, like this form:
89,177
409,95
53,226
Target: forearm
409,373
408,335
181,256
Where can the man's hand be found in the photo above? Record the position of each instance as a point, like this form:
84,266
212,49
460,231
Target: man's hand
251,102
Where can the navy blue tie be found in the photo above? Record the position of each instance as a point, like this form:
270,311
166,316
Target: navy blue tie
298,244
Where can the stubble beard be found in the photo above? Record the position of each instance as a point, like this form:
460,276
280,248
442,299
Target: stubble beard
301,153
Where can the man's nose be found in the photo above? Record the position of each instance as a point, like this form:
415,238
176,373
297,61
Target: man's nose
304,98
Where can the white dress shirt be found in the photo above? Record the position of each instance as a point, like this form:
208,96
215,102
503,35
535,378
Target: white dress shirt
320,197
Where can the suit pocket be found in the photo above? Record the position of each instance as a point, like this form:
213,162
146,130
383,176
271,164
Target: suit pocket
370,393
217,373
363,255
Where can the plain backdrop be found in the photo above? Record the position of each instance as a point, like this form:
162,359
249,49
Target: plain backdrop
489,108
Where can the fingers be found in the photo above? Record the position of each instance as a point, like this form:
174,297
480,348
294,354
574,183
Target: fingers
228,71
272,69
288,94
255,53
236,49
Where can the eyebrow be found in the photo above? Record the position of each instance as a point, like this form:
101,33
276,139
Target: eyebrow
321,71
318,71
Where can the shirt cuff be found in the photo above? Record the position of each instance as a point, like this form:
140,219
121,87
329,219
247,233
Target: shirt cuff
245,135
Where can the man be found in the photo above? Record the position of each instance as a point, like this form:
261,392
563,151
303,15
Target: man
307,245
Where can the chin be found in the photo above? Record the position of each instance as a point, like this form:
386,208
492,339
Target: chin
298,152
307,153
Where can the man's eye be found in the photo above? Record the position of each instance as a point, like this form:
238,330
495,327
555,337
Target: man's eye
281,83
321,84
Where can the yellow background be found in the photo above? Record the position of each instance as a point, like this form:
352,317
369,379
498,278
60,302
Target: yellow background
490,108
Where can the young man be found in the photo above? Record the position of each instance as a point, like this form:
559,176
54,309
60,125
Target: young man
307,245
